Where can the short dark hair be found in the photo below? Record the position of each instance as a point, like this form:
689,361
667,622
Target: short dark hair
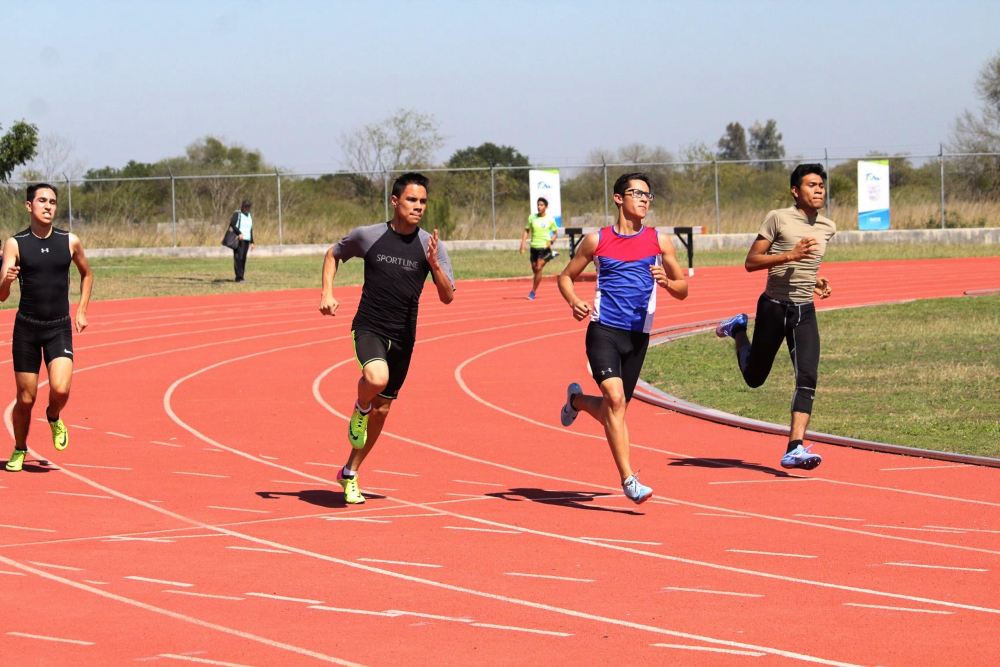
409,178
622,183
246,203
804,170
543,200
32,189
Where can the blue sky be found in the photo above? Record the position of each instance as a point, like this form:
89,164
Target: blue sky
555,79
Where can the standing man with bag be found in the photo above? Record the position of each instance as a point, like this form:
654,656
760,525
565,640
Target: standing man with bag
242,224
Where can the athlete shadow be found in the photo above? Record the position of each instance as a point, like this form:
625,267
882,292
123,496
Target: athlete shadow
574,499
37,466
319,497
731,463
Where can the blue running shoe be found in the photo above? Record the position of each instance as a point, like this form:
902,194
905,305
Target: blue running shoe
801,457
732,325
636,491
531,296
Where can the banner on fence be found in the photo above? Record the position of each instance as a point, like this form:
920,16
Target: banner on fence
873,194
545,183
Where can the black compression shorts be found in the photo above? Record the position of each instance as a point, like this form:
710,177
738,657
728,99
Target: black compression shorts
35,338
369,347
616,353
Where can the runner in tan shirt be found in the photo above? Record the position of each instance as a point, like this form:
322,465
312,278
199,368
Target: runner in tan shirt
791,244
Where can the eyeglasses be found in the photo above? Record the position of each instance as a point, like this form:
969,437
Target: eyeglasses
639,195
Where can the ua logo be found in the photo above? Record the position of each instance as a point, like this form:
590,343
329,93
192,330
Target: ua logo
45,249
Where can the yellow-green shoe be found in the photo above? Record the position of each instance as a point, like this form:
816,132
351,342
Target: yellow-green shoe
16,461
357,429
352,494
60,435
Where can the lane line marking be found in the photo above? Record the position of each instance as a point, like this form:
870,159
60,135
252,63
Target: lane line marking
283,598
957,465
201,661
96,582
31,528
397,562
268,458
327,465
613,539
343,610
82,427
13,574
782,480
953,531
56,567
362,519
485,530
205,595
466,481
87,465
891,608
200,474
165,582
166,444
128,538
287,481
79,495
549,576
769,553
939,567
730,651
47,638
722,515
419,614
712,592
965,530
517,629
262,549
119,435
824,516
238,509
391,472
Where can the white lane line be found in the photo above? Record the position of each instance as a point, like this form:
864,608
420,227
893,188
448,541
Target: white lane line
262,549
13,574
129,538
200,474
328,465
268,458
722,515
344,610
953,531
437,617
712,592
200,661
87,465
965,530
165,582
467,481
824,516
484,530
891,608
612,539
166,444
283,598
780,480
391,472
205,595
465,495
548,576
211,449
56,567
730,651
61,640
79,495
82,427
362,519
769,553
514,628
287,481
238,509
119,435
940,567
959,465
96,582
36,530
397,562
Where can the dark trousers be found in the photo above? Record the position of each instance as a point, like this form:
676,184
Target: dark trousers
796,325
240,258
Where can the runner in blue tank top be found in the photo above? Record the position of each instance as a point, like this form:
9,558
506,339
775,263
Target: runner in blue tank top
631,260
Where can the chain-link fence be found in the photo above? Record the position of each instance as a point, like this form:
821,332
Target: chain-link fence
927,191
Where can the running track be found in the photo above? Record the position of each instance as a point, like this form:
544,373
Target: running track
195,518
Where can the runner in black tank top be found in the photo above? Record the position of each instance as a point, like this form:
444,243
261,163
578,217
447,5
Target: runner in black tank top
39,258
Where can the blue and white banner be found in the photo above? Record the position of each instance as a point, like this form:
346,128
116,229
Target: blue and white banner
873,194
545,183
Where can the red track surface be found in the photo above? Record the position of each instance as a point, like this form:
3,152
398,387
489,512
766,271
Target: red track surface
195,516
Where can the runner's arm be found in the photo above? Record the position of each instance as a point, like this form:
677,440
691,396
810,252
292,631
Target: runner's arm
445,288
758,257
9,269
584,256
86,281
670,275
327,303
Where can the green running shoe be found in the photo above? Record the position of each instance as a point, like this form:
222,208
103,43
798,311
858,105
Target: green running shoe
16,461
352,494
60,435
357,429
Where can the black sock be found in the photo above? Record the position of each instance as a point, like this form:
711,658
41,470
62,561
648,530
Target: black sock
52,420
792,445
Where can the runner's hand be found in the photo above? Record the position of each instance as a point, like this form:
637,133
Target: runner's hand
81,321
581,310
11,274
432,251
806,247
659,275
822,288
328,305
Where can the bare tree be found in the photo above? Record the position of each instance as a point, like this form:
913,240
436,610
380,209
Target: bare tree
405,140
53,161
981,134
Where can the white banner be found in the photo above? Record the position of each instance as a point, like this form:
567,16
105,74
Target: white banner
873,194
545,183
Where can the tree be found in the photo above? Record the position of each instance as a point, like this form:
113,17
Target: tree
765,143
488,155
981,134
405,140
17,146
52,161
733,144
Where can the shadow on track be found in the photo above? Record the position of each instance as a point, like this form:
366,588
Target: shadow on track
732,463
319,497
574,499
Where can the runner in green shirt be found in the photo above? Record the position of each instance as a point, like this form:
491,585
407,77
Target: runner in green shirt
541,231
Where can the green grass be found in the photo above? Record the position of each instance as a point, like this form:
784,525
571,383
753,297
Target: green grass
929,380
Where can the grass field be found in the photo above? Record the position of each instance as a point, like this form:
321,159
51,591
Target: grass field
928,381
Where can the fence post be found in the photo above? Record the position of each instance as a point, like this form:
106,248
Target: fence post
941,159
385,192
493,200
69,189
718,213
277,176
173,203
604,165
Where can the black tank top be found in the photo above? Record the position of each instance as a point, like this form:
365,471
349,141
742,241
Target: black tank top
44,275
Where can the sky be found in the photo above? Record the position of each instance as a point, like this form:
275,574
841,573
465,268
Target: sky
555,79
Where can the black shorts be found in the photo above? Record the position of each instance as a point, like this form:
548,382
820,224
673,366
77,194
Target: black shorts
369,347
616,353
33,338
539,253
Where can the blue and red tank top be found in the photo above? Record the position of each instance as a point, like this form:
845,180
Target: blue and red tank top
626,291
